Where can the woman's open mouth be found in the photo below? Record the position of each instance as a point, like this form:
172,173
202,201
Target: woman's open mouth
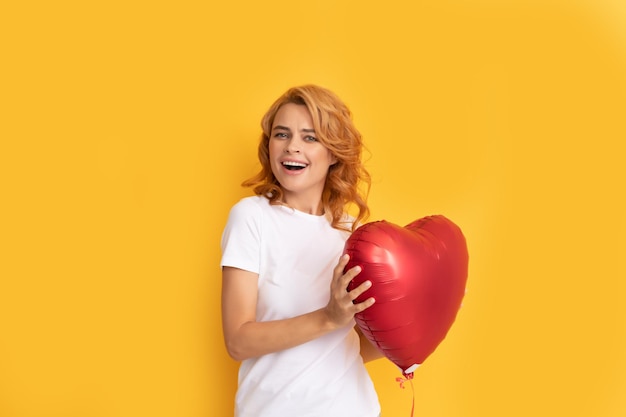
294,166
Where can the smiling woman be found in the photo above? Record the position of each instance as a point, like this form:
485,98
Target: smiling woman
333,128
299,161
286,313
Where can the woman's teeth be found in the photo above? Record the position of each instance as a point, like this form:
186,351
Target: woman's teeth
290,165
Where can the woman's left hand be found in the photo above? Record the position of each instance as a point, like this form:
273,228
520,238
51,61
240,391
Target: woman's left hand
341,307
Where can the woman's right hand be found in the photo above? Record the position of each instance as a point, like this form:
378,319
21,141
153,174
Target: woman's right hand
341,309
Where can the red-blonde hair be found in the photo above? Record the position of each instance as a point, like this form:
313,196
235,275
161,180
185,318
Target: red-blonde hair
334,128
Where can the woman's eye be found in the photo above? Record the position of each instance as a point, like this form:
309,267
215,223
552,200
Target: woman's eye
310,139
280,135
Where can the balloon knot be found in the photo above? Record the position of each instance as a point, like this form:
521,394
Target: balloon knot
401,380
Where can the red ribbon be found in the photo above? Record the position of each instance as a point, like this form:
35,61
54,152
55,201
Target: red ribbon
401,381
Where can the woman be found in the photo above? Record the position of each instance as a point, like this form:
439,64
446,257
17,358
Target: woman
286,312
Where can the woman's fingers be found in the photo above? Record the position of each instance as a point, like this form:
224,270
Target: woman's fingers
344,279
341,265
364,304
341,307
356,293
349,276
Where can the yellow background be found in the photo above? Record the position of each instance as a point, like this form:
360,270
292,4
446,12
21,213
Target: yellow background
127,128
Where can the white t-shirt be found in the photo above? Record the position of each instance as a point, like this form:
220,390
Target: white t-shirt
294,254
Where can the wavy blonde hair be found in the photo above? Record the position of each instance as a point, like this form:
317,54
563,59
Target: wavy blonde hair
334,128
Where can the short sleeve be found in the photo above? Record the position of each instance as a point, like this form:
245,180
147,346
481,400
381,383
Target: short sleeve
241,238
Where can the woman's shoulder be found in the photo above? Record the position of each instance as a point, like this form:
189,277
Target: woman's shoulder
250,202
249,206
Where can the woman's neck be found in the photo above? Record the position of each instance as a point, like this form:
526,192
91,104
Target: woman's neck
305,205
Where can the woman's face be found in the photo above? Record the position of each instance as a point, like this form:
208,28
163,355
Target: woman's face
299,162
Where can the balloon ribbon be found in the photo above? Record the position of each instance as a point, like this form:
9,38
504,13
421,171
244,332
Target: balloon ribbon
401,381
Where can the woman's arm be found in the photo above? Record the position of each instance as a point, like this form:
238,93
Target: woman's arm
246,338
369,352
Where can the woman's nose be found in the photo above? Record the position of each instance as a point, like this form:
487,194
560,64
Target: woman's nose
292,147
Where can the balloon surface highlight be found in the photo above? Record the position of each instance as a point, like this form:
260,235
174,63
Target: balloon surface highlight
418,274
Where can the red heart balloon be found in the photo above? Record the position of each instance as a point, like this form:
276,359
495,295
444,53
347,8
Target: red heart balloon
418,274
